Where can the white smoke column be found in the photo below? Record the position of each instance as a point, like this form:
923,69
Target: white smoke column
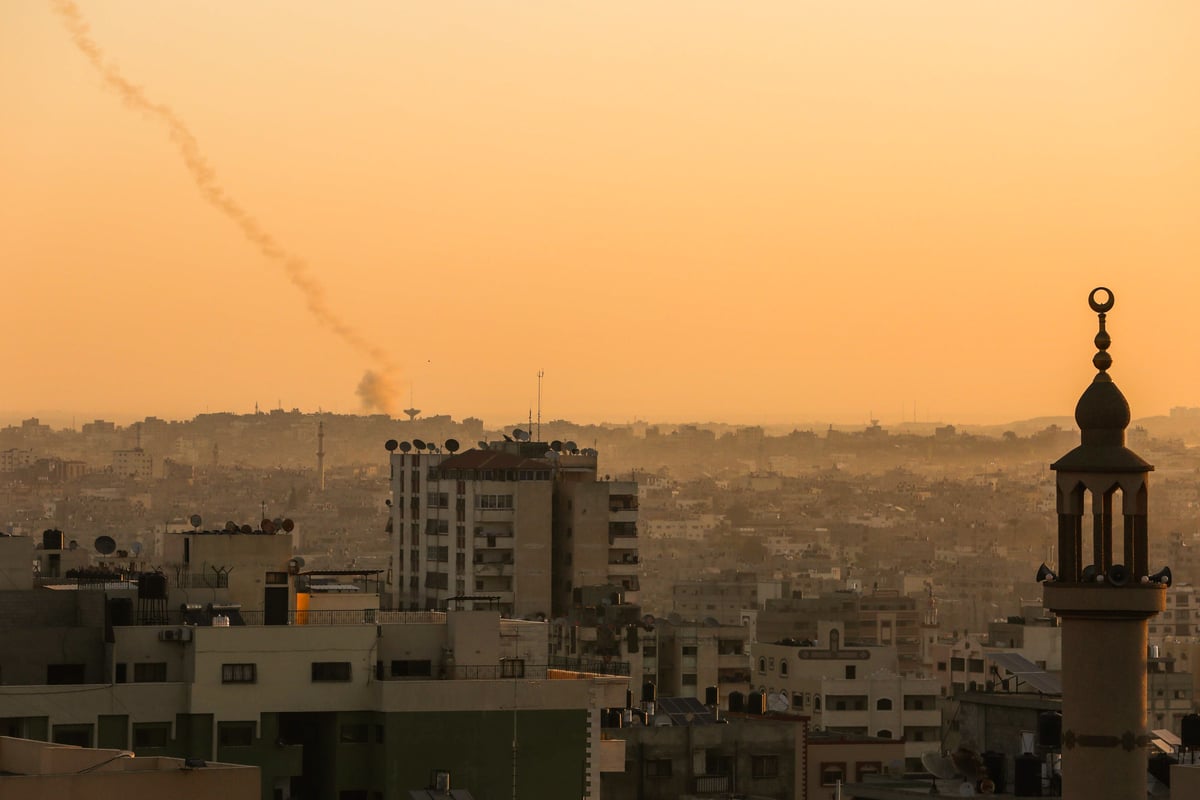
376,388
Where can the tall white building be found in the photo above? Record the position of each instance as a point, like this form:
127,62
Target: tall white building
516,525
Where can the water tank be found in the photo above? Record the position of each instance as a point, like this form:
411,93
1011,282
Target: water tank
737,702
994,762
629,698
1027,776
1189,731
756,703
53,540
152,586
1154,651
712,696
1049,730
220,621
649,692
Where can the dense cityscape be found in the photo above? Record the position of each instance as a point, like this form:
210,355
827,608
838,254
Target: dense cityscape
896,563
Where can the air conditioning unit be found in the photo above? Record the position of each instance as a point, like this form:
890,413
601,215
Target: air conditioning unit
175,635
168,635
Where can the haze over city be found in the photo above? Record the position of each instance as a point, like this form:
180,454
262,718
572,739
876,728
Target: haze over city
682,211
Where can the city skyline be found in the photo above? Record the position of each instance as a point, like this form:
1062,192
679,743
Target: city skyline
753,216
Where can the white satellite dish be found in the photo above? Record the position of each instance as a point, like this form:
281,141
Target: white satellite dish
777,702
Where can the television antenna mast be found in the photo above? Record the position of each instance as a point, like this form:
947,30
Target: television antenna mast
541,374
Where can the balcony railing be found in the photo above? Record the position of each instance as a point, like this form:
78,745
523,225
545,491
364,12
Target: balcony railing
711,784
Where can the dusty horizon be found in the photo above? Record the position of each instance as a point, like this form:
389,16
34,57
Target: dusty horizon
684,212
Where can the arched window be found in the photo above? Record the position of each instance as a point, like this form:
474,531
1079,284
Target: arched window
783,667
816,702
884,734
762,665
883,704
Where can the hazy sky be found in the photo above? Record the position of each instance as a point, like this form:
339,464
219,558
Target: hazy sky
680,210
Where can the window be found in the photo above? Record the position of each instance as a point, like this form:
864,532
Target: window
150,734
883,704
762,665
764,766
658,768
235,734
276,578
851,671
331,670
884,734
359,733
78,735
122,675
689,650
832,773
150,672
798,700
499,501
688,679
512,668
864,768
958,665
941,666
59,674
783,669
650,650
239,673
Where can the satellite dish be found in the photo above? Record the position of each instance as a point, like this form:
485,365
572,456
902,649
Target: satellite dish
105,545
267,526
417,443
556,445
390,445
940,766
550,455
571,446
247,529
195,520
405,447
482,445
452,445
648,620
136,549
299,561
777,702
520,435
231,526
288,525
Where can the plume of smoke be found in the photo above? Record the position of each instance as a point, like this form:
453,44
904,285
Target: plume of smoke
376,387
375,390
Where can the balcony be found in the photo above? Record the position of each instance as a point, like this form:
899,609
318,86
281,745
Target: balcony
622,515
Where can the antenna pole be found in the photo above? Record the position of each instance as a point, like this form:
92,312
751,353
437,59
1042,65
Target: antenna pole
541,374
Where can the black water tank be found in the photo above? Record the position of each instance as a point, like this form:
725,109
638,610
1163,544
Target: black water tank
737,702
152,586
53,540
1027,776
1049,730
995,768
712,696
629,698
649,692
756,703
1189,731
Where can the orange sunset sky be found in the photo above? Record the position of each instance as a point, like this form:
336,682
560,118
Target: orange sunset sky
681,210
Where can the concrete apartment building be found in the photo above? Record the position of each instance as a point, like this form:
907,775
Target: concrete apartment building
328,695
515,525
133,463
339,710
34,770
724,597
683,658
850,688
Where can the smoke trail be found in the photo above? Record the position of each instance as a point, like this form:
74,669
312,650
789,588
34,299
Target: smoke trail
376,388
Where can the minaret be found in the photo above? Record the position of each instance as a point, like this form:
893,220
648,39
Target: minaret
1103,597
321,456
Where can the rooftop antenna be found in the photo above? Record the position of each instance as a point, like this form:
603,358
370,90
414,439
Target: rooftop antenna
541,374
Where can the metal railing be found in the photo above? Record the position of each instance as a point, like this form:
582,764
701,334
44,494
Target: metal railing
203,617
